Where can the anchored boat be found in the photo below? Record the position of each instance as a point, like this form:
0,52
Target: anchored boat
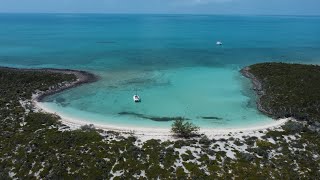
136,98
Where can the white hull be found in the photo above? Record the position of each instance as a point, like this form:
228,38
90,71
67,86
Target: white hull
136,98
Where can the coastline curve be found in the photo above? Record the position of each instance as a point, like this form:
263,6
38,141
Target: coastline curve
84,77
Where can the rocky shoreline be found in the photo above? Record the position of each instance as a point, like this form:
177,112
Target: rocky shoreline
258,88
82,77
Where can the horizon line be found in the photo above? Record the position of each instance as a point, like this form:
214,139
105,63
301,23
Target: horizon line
193,14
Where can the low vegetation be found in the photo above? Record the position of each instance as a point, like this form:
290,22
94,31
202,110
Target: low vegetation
290,90
35,145
184,129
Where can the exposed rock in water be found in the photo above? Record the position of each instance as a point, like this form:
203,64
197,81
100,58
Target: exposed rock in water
257,87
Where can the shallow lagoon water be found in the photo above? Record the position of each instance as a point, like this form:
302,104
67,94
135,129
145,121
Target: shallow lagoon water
171,60
210,97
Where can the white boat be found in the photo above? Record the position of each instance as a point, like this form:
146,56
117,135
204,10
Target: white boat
136,98
219,43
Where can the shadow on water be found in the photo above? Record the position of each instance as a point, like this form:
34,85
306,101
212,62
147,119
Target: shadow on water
211,118
146,82
153,118
60,100
215,120
137,81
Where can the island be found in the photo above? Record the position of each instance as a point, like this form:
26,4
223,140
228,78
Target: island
36,144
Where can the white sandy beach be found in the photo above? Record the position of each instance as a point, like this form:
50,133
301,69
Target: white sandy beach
160,133
143,133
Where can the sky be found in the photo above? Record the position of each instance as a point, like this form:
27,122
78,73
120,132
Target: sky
263,7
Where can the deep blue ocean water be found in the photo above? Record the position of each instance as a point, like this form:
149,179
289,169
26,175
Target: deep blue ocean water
171,60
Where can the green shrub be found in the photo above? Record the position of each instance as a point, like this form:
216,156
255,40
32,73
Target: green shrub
264,144
181,128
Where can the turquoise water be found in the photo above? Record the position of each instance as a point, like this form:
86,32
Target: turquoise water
171,60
